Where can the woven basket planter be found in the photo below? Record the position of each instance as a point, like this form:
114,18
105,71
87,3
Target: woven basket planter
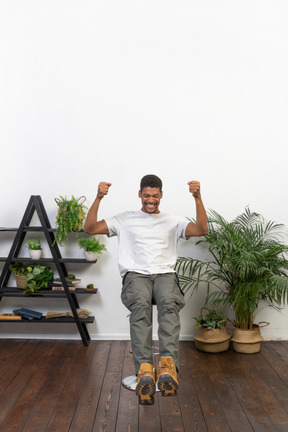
20,281
212,341
247,341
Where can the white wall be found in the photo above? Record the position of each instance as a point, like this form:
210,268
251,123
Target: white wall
113,90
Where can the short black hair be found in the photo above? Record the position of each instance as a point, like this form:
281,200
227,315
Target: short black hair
151,180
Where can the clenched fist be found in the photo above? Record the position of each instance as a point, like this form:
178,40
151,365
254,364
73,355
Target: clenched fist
194,188
103,189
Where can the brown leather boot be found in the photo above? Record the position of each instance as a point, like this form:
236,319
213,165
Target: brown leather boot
145,388
167,377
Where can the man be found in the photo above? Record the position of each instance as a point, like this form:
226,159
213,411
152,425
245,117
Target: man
147,256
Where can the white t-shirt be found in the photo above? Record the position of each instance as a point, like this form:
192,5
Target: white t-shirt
147,242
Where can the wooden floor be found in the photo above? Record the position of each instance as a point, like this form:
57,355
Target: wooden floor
64,386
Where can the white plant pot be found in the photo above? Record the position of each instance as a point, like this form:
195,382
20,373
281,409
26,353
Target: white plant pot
91,256
35,254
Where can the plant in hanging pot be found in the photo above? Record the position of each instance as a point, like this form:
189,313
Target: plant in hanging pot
92,247
247,268
70,217
212,334
35,249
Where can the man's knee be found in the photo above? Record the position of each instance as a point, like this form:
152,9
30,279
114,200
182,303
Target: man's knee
140,312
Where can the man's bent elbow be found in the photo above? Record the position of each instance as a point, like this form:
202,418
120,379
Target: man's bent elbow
88,230
96,228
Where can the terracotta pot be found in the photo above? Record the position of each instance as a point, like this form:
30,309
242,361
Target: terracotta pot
247,341
213,341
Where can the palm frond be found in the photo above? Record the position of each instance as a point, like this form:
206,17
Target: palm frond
247,264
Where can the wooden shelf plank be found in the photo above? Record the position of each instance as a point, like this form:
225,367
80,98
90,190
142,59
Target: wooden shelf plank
51,260
44,320
16,292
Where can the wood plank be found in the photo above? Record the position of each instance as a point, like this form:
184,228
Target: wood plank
192,416
275,354
48,398
88,401
227,398
127,419
281,349
248,399
270,403
106,416
21,381
13,358
265,366
212,411
60,421
71,392
116,357
20,413
149,417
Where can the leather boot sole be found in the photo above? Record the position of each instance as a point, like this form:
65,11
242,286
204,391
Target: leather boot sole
167,385
145,390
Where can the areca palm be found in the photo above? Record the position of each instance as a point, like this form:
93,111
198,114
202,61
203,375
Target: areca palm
247,264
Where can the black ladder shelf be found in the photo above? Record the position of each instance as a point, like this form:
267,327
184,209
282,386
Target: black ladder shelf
35,204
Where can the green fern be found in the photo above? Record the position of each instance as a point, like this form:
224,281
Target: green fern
70,217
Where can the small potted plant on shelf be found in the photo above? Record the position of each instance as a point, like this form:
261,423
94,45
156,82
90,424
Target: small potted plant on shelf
35,249
20,271
92,247
70,217
247,265
38,277
32,277
212,334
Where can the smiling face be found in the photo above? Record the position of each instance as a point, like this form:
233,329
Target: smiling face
150,198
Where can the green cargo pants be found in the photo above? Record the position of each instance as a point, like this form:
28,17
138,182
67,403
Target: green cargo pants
139,292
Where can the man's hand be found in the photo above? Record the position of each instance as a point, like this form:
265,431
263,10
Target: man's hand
103,189
194,188
199,228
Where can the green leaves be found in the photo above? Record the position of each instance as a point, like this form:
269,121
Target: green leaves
70,216
91,244
212,320
37,277
34,245
246,264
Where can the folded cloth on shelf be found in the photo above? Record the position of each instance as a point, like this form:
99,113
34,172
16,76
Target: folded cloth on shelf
82,313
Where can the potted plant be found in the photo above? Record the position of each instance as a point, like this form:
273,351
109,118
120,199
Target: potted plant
35,249
247,266
92,247
20,270
32,277
70,216
38,277
212,334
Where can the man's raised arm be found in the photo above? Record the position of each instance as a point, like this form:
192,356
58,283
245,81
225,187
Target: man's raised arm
201,226
92,225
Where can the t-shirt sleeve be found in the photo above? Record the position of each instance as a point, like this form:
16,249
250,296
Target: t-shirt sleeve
182,225
113,226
